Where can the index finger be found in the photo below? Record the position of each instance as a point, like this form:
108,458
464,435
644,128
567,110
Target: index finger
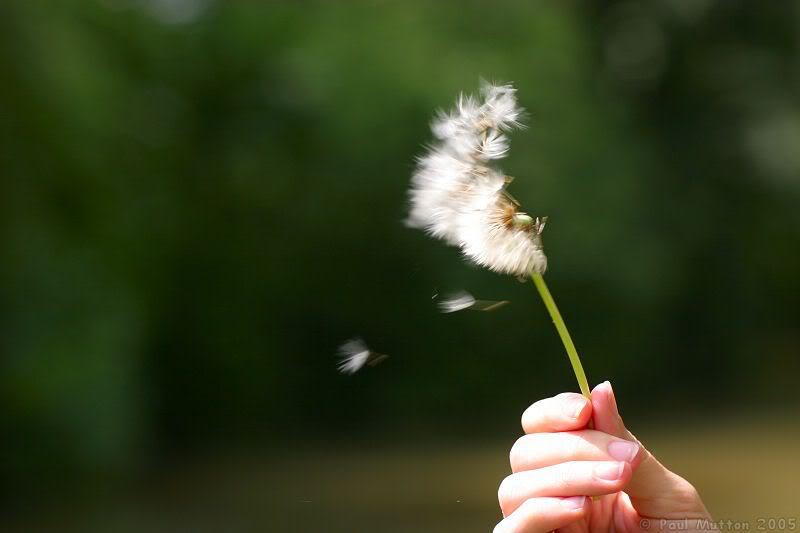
565,412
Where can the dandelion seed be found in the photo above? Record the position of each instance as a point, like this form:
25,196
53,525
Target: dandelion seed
494,146
489,305
464,300
456,302
354,354
500,106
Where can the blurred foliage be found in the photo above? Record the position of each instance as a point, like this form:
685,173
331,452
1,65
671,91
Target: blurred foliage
200,200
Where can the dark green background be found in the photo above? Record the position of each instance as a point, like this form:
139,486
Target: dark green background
201,200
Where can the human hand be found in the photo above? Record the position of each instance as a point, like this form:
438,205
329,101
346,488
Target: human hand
559,462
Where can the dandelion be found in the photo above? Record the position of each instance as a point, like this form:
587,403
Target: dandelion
354,354
459,195
463,300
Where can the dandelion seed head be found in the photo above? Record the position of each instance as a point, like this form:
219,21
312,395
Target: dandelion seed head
457,196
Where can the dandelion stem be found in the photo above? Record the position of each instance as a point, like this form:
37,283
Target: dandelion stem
544,292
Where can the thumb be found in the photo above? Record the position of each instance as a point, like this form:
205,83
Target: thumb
654,491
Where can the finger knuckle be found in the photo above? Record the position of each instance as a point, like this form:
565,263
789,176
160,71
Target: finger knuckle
569,475
685,491
572,443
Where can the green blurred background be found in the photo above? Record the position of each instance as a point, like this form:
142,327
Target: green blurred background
200,200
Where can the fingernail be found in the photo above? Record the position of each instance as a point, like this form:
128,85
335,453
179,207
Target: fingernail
623,450
575,502
608,471
573,407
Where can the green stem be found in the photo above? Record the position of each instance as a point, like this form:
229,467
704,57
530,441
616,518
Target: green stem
541,286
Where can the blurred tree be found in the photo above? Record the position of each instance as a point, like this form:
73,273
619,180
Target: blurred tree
200,200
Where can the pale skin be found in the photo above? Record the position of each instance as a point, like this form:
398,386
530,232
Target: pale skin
566,477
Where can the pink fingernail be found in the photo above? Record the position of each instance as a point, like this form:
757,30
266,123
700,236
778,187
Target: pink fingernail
608,471
575,502
623,450
573,407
